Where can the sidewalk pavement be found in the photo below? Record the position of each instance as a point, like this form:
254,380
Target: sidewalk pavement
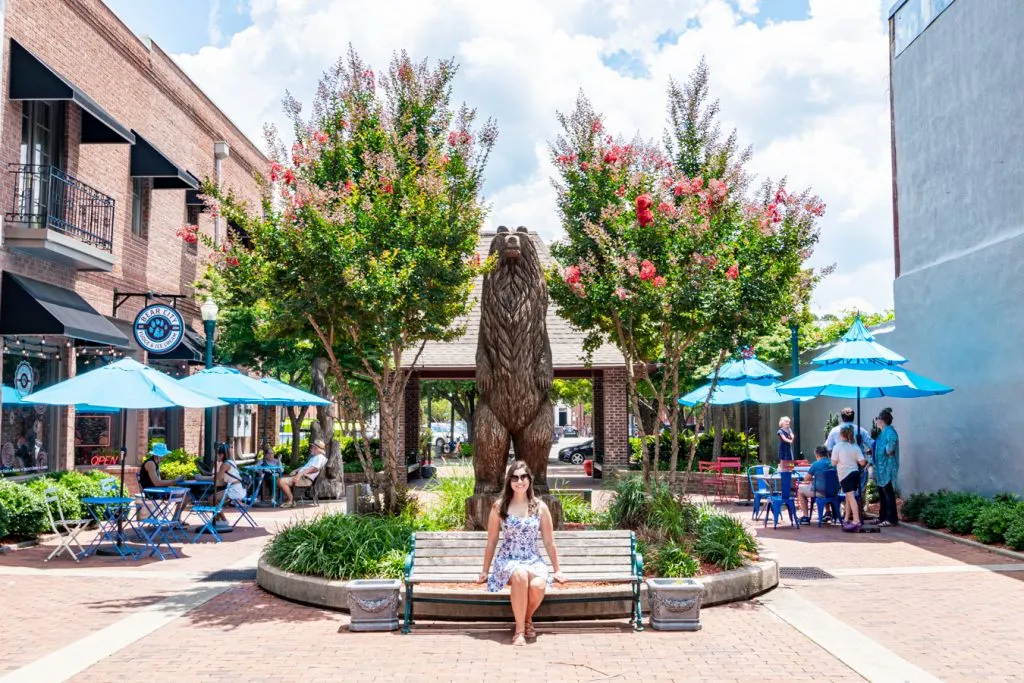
900,605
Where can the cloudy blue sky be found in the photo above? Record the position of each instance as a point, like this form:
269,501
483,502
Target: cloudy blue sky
805,82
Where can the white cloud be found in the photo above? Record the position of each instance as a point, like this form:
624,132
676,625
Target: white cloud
213,23
810,96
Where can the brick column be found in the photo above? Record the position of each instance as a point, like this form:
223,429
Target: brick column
615,427
409,423
597,386
268,420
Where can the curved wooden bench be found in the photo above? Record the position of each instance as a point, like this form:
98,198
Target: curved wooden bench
456,557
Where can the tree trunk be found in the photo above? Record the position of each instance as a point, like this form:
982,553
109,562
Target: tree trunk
718,419
331,484
295,417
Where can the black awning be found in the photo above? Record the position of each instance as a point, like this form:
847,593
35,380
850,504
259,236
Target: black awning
192,348
149,162
32,79
29,306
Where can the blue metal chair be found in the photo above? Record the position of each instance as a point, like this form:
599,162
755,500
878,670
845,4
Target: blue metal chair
825,491
252,490
759,487
783,498
207,514
161,523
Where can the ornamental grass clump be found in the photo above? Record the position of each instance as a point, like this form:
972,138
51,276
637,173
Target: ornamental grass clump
576,510
340,546
724,541
448,511
674,560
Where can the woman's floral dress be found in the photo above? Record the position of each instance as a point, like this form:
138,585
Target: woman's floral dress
519,549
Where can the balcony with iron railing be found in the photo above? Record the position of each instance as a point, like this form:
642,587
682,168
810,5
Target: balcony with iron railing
58,217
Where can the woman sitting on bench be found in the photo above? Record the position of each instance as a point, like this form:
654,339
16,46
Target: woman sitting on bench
522,519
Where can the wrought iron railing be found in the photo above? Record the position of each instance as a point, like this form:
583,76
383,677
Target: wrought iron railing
47,197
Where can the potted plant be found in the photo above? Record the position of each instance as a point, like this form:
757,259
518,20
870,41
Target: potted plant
675,604
373,604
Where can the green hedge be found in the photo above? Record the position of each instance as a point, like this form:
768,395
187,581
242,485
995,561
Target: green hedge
990,520
733,446
26,510
23,506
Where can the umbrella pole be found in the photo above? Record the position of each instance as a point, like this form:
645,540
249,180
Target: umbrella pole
124,456
746,433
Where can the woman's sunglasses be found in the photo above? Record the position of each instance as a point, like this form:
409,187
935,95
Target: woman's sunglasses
519,477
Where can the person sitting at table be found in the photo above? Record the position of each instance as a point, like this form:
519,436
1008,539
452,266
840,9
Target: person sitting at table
149,475
305,475
268,459
805,491
227,480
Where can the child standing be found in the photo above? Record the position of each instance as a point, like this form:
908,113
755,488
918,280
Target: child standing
785,444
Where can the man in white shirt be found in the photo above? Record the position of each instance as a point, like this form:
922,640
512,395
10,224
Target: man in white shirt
305,475
848,416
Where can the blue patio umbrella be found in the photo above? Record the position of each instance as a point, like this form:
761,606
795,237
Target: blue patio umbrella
859,367
294,396
230,386
124,385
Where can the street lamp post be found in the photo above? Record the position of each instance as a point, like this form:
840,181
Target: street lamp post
209,311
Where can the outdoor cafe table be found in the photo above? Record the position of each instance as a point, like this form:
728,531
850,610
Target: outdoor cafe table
198,488
260,472
161,495
108,511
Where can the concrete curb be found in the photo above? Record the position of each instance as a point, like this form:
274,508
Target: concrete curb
20,545
731,586
966,541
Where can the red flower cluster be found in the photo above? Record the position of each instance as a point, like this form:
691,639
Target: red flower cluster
733,272
816,207
658,282
647,270
571,275
781,196
667,209
189,233
773,213
387,188
611,156
709,261
275,172
231,260
596,126
320,137
349,186
717,190
644,215
566,159
459,137
289,177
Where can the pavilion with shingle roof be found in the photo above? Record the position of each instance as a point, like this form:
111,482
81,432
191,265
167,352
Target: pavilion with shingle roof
456,360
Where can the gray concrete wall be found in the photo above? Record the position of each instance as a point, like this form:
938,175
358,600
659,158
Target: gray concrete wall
958,93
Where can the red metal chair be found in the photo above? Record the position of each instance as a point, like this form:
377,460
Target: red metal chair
711,478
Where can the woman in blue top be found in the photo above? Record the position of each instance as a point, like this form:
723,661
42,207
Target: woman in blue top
887,467
785,444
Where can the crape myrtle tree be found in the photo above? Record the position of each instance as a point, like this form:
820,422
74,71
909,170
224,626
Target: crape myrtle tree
669,253
370,246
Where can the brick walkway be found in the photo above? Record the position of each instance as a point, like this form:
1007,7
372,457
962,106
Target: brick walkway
924,602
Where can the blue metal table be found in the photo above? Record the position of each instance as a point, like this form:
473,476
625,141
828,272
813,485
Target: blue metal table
112,514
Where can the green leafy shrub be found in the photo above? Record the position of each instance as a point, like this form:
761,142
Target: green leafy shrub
1006,498
724,541
576,510
671,516
935,514
1014,535
673,560
340,546
26,510
69,500
81,484
357,467
391,565
960,518
992,523
448,511
871,490
466,450
914,505
5,522
631,505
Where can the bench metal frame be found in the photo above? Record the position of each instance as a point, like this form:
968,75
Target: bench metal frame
636,611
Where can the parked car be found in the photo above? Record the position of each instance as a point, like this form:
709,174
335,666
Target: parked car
578,453
441,434
569,430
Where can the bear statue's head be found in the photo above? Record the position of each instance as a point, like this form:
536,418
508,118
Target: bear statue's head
510,247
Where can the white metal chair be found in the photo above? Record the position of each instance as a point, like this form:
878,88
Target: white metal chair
67,530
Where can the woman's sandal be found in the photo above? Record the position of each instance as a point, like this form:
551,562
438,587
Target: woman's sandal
530,631
519,639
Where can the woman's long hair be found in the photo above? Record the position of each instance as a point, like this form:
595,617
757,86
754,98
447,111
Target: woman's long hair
506,494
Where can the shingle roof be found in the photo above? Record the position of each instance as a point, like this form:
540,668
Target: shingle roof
566,343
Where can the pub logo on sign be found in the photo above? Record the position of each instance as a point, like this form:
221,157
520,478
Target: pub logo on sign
159,328
24,379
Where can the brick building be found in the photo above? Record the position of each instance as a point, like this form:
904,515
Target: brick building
103,144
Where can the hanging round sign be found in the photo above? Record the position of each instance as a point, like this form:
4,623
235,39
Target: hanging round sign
159,328
24,378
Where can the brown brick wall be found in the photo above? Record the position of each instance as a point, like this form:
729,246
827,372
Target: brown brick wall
141,88
615,423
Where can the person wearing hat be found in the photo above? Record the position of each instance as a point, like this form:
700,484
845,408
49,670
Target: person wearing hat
149,476
305,475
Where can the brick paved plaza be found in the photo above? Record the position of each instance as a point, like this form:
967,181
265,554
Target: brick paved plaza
903,606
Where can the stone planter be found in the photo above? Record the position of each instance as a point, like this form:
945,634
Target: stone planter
675,604
373,604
